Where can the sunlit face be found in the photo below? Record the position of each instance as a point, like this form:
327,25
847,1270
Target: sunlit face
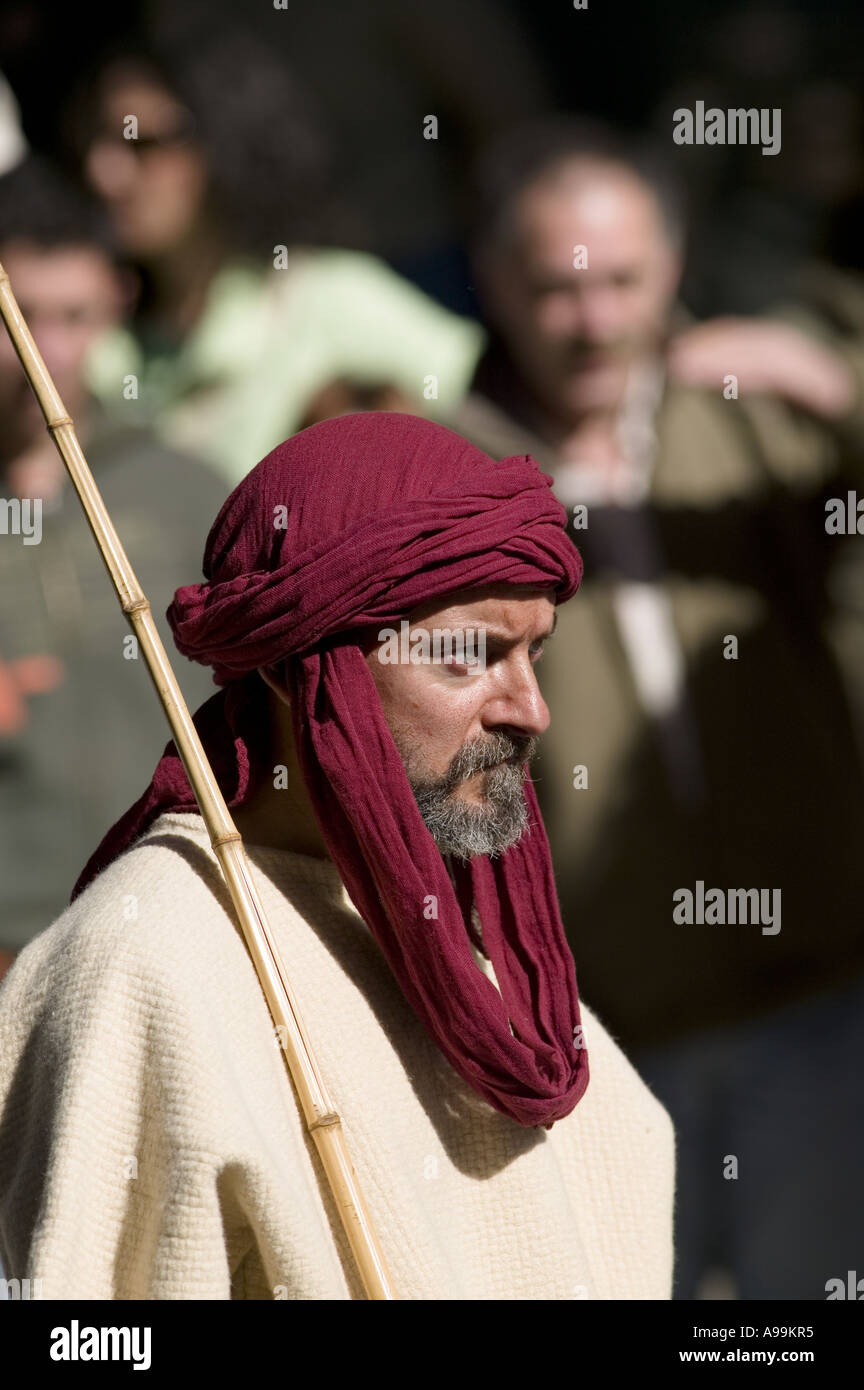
464,736
154,186
68,296
575,331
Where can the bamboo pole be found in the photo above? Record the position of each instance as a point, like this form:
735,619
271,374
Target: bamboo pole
322,1120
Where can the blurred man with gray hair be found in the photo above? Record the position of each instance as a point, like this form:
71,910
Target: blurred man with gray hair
702,736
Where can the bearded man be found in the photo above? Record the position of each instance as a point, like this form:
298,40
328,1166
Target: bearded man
151,1145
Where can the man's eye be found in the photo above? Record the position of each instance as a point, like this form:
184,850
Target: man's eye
537,650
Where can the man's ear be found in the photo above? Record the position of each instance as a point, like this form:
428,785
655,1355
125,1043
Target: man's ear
271,675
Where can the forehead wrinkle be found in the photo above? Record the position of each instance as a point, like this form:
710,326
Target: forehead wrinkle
504,620
503,635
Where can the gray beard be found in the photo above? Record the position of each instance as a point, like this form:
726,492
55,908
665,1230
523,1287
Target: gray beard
463,830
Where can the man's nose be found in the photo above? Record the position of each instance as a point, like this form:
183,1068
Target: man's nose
519,705
599,316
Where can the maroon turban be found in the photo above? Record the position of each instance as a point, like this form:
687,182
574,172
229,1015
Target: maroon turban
347,526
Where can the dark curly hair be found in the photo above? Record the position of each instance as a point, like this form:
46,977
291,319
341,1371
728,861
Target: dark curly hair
266,155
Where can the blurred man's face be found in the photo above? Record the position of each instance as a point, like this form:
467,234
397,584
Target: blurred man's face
575,332
153,186
69,296
464,737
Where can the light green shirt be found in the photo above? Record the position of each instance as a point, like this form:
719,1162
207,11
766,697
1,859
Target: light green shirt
269,339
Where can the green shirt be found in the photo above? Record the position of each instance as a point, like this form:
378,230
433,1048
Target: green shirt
268,339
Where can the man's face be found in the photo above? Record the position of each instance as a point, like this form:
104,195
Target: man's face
464,736
69,296
575,331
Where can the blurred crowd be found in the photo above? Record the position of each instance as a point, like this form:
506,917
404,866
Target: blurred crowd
219,236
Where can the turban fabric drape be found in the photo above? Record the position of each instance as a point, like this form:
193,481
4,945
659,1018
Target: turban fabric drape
348,526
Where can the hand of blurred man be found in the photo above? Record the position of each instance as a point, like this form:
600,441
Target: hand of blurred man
765,356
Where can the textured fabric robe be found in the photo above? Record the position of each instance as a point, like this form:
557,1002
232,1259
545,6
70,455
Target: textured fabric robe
151,1145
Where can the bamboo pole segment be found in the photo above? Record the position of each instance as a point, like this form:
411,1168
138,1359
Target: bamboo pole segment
322,1120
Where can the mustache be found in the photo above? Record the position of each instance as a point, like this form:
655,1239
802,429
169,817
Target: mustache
578,350
481,754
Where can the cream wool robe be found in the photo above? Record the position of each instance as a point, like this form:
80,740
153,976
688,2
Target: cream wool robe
151,1145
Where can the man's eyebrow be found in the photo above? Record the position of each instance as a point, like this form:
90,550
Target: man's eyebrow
504,639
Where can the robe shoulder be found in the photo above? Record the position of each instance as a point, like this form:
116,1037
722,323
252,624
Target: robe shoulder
152,908
148,962
126,1031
